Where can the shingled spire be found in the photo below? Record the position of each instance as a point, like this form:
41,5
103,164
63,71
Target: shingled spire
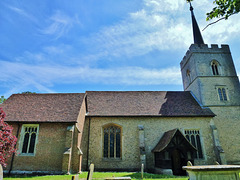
197,36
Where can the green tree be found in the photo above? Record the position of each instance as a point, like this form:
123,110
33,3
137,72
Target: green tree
2,99
28,92
223,9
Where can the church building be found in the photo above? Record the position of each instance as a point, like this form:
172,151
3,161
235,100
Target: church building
121,130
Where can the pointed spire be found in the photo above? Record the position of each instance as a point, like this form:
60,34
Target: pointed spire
197,36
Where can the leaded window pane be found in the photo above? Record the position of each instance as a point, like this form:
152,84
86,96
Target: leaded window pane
25,143
193,140
32,143
224,94
118,145
199,147
105,151
111,145
220,94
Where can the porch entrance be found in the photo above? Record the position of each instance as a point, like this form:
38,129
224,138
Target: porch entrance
173,151
177,163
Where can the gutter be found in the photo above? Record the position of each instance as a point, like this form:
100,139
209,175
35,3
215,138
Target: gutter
13,155
89,125
151,116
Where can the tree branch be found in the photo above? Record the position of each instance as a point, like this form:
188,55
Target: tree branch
218,20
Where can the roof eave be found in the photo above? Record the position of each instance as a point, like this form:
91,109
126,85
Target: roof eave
144,115
39,121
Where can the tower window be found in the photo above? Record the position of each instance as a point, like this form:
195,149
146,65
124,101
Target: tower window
188,75
112,142
222,94
215,67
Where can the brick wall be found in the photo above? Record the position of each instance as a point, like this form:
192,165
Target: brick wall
153,129
49,150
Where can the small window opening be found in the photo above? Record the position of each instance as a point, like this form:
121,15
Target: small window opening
222,94
189,76
215,69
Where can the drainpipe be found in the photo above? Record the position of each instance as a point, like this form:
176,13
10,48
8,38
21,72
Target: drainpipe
89,125
13,155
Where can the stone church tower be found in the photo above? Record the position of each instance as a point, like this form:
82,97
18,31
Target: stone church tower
209,73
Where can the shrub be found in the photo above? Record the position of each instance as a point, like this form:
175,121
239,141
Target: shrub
7,140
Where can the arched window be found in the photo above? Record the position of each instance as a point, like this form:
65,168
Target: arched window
29,136
193,136
112,141
189,76
215,67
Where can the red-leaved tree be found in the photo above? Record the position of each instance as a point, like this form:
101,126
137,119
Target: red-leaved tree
7,140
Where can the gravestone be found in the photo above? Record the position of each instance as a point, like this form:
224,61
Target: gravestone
142,171
76,177
1,172
90,172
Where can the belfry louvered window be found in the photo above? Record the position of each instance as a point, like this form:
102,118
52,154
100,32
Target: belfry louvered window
29,136
215,67
112,141
193,137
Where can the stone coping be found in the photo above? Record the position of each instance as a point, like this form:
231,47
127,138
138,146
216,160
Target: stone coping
212,168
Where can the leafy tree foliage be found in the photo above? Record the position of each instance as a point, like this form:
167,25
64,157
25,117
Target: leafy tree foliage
28,92
2,99
223,9
7,140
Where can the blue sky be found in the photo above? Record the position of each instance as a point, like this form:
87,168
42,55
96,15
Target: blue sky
74,46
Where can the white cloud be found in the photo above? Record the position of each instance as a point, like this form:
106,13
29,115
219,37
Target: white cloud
224,31
143,32
159,25
23,13
43,77
59,24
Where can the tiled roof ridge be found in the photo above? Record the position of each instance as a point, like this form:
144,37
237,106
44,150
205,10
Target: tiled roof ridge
134,91
45,94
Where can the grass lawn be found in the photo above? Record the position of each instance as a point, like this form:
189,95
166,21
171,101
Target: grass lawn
101,175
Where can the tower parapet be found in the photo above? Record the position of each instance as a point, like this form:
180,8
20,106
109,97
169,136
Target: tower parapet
204,48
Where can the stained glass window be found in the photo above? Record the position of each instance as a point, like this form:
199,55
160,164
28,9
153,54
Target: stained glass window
193,137
29,134
112,142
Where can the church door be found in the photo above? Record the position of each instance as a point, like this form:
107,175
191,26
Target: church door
177,163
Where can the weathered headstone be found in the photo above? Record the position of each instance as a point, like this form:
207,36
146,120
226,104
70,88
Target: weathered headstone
90,172
1,172
75,177
189,163
142,171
